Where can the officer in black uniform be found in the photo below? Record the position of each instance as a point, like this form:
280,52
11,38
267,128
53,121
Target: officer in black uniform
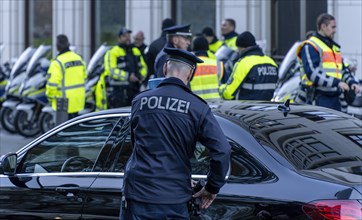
156,46
166,123
178,36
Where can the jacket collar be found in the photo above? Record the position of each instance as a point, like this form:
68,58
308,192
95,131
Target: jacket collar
174,81
201,53
254,50
63,51
230,35
329,42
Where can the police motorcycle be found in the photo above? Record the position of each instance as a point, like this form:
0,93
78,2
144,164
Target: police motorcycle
17,75
355,108
288,77
32,92
229,57
94,70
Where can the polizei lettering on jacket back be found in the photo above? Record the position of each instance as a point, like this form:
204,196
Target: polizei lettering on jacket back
267,71
164,103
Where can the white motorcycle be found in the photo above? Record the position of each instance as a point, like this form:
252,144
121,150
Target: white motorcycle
17,76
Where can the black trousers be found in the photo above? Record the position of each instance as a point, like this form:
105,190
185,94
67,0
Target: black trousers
145,211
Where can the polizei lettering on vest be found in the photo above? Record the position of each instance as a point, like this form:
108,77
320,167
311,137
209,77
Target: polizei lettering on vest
165,103
267,71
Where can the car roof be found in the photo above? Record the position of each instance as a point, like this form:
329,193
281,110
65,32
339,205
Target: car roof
308,136
304,131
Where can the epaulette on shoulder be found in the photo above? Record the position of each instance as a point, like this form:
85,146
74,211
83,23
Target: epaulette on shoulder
198,97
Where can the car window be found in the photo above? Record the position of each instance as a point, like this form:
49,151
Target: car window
200,161
245,168
122,155
122,148
73,149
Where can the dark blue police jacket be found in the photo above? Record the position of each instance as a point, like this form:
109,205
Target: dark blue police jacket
160,60
166,124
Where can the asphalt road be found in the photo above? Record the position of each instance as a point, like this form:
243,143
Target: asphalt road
11,142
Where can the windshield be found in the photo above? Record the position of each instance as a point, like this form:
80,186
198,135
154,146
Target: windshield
224,53
97,58
20,63
35,59
288,60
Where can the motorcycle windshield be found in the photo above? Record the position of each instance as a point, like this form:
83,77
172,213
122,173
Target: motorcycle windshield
96,58
35,59
224,53
20,63
288,60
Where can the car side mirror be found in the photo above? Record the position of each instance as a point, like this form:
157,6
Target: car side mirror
8,164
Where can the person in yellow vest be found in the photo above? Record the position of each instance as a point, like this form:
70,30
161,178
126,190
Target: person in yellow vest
125,69
322,65
101,93
66,78
208,74
228,32
214,42
254,75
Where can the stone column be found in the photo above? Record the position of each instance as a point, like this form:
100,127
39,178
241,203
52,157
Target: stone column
72,18
12,26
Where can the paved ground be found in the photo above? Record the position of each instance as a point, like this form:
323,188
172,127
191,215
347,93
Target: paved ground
11,142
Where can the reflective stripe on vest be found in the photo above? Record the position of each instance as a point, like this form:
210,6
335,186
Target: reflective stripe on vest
331,58
121,75
64,88
263,86
206,79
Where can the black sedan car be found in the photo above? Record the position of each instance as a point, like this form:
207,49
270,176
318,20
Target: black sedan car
299,163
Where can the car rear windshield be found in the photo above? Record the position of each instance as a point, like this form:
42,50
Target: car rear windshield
313,140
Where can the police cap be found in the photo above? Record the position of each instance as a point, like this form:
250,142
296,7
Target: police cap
183,30
123,30
183,56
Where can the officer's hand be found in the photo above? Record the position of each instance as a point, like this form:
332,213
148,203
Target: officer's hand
344,86
355,88
206,197
193,183
133,78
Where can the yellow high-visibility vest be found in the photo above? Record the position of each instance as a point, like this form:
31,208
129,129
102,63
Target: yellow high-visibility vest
331,59
116,66
66,78
206,80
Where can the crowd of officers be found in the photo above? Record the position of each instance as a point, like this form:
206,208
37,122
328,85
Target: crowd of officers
129,65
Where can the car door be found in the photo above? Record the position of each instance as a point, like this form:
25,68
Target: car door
55,172
244,170
105,193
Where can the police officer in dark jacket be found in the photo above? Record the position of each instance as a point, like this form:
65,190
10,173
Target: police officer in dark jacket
156,46
178,36
166,123
254,75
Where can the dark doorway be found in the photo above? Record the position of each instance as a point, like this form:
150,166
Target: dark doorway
291,20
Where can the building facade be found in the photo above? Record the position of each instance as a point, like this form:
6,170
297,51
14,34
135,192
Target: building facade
90,23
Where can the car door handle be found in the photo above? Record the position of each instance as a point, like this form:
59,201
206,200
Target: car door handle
68,191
